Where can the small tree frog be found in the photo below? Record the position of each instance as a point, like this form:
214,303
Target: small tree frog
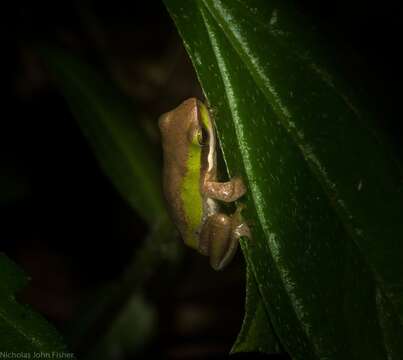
191,188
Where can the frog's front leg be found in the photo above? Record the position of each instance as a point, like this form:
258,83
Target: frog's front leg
225,191
219,238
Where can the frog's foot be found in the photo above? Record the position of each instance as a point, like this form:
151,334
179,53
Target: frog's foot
240,226
242,230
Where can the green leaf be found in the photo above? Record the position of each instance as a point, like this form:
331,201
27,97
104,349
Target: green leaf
324,191
22,330
257,333
108,121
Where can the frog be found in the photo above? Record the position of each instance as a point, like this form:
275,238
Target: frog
192,191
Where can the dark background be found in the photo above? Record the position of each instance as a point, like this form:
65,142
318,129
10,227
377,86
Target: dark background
62,220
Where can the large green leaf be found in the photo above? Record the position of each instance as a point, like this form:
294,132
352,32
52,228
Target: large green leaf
326,249
23,331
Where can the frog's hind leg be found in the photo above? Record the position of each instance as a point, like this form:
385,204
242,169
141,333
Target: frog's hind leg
215,240
219,238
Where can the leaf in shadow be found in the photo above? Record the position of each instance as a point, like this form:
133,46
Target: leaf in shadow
22,330
108,121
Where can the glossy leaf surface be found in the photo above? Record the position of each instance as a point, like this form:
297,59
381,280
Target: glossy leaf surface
327,197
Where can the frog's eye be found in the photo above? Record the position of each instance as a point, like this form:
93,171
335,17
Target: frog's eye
200,136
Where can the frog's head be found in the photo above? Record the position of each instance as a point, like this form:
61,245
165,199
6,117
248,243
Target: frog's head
185,131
